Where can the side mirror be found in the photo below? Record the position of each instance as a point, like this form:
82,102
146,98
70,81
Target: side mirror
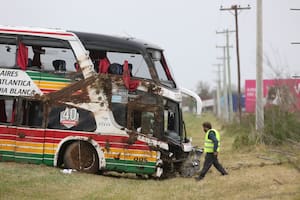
156,55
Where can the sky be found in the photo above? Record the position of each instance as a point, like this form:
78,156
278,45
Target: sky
186,30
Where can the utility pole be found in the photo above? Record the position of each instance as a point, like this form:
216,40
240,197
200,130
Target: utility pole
259,111
225,88
229,71
295,9
236,8
218,90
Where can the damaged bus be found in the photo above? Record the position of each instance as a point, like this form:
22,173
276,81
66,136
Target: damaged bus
90,102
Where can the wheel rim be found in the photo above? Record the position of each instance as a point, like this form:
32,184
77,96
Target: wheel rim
82,157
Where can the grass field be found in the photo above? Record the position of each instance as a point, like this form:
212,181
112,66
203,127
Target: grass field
258,173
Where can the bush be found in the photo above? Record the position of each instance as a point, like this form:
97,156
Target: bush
242,132
280,125
241,141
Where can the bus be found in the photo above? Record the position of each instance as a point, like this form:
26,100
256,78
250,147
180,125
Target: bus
90,102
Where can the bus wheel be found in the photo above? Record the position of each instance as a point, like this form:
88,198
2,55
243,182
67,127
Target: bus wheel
81,156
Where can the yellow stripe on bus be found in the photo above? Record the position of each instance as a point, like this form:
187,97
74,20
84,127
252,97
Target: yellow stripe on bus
131,151
51,85
136,151
49,151
31,144
35,144
7,148
29,150
133,155
138,157
51,145
133,158
3,141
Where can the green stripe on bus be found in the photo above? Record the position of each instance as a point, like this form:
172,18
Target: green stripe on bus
29,160
49,156
29,155
12,153
7,156
130,166
47,159
48,162
46,77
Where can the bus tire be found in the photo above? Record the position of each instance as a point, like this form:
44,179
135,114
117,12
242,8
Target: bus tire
81,156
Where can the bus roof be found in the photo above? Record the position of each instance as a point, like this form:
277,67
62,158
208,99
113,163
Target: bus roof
90,40
94,41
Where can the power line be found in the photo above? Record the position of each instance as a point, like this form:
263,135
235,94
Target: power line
225,88
218,90
229,71
236,8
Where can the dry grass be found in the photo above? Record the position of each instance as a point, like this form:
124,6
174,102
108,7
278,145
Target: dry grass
250,177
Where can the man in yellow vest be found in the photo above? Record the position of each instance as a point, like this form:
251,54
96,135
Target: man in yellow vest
211,148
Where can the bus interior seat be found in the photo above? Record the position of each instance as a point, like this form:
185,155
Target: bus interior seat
116,68
59,65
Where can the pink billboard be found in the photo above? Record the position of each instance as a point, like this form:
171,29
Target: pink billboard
276,91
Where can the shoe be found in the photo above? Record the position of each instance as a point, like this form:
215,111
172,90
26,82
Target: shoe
225,174
199,178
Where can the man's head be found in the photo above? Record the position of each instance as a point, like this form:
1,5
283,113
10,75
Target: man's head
206,126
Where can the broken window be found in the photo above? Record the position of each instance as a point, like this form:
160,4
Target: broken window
8,49
147,123
143,122
136,62
145,119
52,59
49,54
36,53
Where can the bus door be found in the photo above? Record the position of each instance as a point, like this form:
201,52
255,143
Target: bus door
7,129
30,132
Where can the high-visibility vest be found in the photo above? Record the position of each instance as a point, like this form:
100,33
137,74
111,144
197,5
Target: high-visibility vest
209,144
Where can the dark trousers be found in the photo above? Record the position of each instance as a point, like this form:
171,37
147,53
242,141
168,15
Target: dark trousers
211,159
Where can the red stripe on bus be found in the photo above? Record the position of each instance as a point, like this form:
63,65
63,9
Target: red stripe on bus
35,140
102,140
7,130
46,91
8,137
36,32
55,136
31,132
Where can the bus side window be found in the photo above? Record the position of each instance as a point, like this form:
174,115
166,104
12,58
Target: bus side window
32,113
7,110
71,118
49,54
120,113
8,51
3,117
143,122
